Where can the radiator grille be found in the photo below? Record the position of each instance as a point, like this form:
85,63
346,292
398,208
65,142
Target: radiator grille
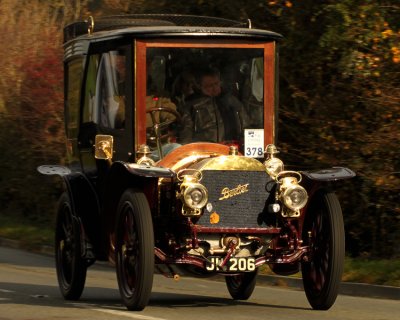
246,208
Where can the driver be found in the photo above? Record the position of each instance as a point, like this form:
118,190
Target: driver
156,102
212,115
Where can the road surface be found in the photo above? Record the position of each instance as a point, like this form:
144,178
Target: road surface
29,290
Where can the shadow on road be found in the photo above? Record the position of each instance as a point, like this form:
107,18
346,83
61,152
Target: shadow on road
176,300
93,297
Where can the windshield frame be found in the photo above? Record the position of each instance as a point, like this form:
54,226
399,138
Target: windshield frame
140,76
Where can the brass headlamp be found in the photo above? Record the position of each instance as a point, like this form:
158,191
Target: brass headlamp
193,194
290,193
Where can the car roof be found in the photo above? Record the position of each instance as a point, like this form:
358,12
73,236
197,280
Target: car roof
162,25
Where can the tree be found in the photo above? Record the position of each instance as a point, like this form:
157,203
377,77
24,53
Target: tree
339,97
340,106
31,102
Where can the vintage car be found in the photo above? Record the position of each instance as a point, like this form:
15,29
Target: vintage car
165,177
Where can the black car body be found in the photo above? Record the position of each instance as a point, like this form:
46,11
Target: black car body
139,197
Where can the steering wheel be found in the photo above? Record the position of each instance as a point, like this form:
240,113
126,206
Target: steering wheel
160,128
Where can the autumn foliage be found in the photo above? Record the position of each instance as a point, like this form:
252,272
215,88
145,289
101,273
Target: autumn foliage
31,105
339,100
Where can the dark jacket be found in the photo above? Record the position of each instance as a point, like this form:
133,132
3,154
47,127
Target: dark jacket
213,119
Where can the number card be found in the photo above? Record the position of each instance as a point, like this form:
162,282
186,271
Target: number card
254,143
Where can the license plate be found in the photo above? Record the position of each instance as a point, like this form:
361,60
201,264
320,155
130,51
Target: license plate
234,264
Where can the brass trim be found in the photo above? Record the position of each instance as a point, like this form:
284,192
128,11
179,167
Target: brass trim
232,163
90,25
233,151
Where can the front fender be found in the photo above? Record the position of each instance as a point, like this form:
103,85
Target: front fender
142,170
317,179
122,176
84,201
82,193
330,174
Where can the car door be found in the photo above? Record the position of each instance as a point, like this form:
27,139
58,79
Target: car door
107,101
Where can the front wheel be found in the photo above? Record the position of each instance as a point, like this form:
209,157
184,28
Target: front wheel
71,267
241,286
134,250
324,234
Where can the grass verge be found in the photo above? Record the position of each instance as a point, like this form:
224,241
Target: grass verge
362,270
30,235
373,271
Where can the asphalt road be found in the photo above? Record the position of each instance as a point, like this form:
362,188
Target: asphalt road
29,290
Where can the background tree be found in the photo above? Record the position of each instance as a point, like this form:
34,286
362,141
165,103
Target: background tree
31,102
340,105
339,97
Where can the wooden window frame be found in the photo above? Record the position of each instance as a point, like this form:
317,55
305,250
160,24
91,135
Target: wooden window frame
140,74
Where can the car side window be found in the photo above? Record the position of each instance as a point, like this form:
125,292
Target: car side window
73,80
105,90
111,83
89,112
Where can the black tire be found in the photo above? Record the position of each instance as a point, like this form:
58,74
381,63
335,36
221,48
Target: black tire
241,286
71,268
134,250
322,274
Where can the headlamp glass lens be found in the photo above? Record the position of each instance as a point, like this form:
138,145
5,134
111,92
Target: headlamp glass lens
196,195
295,198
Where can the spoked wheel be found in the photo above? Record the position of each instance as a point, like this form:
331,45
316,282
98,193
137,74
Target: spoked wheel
241,286
134,250
324,233
71,268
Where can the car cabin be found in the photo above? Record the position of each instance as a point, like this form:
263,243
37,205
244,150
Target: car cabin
119,72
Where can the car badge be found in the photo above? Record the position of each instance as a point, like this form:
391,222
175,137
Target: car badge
229,193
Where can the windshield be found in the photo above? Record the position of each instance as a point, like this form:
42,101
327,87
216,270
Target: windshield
205,95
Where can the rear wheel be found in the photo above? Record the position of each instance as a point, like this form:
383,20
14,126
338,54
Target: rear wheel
241,286
134,250
71,267
324,233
